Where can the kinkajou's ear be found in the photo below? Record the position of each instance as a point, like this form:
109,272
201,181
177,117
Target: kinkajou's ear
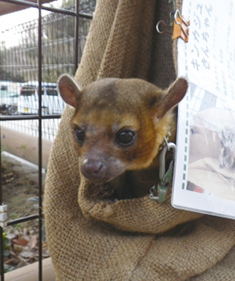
69,90
174,94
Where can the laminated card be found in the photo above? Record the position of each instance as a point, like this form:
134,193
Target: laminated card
204,177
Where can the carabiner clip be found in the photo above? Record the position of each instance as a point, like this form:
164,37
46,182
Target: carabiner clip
158,193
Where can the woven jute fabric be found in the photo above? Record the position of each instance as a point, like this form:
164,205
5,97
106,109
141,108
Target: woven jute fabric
134,239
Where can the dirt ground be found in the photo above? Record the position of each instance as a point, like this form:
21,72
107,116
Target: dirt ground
20,194
19,187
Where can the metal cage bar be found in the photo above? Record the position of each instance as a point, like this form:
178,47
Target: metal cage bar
76,14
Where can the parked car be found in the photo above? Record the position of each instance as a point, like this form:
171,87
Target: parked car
9,92
28,101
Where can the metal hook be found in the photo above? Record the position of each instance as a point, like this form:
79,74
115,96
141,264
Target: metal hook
161,22
178,15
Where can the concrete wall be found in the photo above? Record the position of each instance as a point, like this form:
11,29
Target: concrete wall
24,146
30,272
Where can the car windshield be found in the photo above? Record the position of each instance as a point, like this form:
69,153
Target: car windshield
3,88
52,92
27,91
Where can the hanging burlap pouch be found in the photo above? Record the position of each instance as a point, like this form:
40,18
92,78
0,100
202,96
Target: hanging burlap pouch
134,239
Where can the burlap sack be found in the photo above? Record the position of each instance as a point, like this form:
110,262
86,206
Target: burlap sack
131,239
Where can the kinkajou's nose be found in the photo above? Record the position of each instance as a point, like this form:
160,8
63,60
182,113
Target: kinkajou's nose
92,169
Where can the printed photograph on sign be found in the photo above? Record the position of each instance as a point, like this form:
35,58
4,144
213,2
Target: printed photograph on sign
212,148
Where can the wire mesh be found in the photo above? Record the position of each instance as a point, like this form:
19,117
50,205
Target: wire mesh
33,54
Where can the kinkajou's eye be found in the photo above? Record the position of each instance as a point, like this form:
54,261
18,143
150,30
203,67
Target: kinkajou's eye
125,137
79,135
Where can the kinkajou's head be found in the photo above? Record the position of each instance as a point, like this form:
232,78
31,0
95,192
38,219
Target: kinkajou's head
118,124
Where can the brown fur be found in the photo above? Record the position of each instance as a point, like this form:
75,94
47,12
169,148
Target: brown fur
132,108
